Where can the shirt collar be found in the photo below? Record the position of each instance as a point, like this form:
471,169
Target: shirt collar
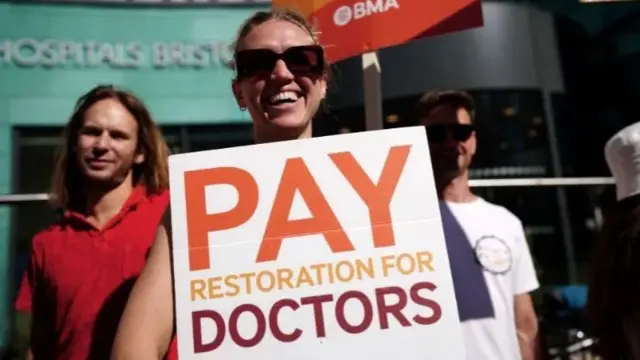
137,196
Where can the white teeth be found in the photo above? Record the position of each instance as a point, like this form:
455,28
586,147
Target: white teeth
284,95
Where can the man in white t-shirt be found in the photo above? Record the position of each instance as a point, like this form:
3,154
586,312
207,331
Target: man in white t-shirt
492,269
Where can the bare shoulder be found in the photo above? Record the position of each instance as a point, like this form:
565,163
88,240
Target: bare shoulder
162,243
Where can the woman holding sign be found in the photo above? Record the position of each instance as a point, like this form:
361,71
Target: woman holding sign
281,80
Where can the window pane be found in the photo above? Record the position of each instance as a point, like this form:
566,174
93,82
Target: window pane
510,125
338,121
538,210
171,136
35,167
512,135
219,136
582,136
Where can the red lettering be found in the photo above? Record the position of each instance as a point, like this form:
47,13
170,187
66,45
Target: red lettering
233,325
384,310
366,306
199,346
318,314
273,321
426,302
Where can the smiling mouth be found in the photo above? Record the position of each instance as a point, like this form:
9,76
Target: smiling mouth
283,99
98,161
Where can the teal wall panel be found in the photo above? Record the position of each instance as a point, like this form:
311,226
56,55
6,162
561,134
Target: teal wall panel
5,231
44,94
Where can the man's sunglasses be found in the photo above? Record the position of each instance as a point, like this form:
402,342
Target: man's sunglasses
300,60
459,132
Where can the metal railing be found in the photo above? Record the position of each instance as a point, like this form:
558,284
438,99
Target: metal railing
576,181
526,182
22,198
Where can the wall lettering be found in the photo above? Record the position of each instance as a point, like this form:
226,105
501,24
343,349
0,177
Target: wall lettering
54,53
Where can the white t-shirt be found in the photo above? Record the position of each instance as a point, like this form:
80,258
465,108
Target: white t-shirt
497,238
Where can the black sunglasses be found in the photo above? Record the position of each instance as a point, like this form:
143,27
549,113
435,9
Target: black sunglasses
300,60
459,132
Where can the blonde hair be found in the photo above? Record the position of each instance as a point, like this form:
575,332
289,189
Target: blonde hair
262,17
67,184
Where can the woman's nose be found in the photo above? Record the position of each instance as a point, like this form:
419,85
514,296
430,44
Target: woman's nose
281,71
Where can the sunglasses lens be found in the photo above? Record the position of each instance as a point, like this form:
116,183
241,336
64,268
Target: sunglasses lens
439,133
250,63
300,60
304,59
436,134
462,132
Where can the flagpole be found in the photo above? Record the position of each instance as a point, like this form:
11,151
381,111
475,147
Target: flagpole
372,91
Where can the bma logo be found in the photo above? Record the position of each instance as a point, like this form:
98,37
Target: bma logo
345,14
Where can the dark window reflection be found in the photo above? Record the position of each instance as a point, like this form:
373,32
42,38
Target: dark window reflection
511,128
512,135
538,210
581,139
601,89
218,137
338,121
36,151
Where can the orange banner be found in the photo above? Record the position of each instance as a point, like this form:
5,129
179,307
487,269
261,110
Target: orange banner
352,27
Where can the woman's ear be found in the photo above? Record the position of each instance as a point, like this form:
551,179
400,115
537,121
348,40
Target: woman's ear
235,87
323,91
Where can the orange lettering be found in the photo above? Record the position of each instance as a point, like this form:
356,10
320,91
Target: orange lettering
378,196
296,176
199,223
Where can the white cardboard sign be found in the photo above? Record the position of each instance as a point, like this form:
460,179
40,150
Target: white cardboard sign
327,248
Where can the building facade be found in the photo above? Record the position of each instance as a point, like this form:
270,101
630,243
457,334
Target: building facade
175,58
552,81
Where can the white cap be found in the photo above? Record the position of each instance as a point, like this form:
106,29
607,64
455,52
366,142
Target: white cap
622,153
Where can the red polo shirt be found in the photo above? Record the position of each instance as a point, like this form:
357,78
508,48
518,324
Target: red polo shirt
79,278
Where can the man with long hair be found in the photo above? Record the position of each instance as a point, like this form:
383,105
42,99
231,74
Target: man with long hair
110,183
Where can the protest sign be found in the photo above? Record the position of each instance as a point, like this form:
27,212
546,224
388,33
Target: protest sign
326,248
348,28
351,27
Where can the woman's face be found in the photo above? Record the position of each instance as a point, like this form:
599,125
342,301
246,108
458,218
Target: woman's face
280,101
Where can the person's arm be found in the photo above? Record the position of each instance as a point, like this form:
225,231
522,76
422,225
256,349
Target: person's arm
525,281
29,355
527,327
147,324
